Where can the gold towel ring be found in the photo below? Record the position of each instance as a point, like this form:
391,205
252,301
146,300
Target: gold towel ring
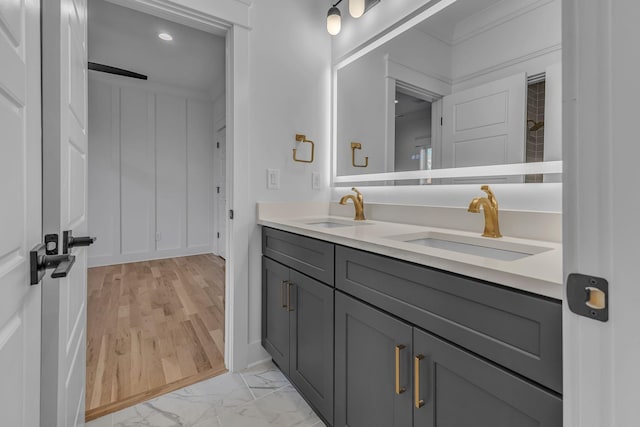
303,138
357,146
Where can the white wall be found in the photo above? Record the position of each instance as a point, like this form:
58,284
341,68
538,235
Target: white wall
290,89
150,171
125,38
527,39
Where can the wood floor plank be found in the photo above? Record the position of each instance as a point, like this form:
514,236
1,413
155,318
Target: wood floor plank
152,327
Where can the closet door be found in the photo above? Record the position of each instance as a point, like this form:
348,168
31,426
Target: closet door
373,372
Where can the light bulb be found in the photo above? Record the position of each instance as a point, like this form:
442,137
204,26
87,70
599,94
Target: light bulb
334,21
356,8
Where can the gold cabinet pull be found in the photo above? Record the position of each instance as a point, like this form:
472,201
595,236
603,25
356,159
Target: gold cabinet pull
289,308
399,390
283,299
419,403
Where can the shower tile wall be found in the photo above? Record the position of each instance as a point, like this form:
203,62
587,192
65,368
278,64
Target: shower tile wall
535,140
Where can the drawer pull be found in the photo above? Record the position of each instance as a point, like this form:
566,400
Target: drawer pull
419,403
283,299
289,308
399,390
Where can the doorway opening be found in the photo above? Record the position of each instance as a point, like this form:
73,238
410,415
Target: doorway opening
157,198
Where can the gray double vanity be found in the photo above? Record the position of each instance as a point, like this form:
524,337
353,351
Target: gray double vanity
370,339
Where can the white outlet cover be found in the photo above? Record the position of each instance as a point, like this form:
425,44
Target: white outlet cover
273,179
315,180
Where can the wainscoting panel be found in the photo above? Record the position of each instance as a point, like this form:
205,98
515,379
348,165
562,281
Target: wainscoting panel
151,172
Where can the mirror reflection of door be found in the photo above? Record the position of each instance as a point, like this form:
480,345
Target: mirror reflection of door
414,121
485,125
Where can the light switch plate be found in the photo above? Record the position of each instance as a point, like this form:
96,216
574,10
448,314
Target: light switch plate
273,179
315,180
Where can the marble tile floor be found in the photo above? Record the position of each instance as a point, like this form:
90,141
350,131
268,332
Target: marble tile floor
258,397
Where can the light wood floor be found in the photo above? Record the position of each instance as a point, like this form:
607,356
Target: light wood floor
152,327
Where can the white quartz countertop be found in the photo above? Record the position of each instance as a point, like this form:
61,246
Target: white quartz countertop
540,273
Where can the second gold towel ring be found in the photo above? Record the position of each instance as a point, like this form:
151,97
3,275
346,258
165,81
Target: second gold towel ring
357,146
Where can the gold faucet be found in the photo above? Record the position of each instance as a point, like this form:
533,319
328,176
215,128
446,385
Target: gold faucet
490,205
358,203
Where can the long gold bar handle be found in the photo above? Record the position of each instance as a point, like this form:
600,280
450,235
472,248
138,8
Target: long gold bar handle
289,308
419,403
399,390
283,299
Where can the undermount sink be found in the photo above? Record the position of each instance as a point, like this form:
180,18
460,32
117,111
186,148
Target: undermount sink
334,223
479,246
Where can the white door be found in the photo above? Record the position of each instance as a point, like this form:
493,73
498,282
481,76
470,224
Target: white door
64,208
221,184
601,230
485,125
20,211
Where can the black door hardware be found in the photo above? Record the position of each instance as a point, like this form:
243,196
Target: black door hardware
51,243
68,241
40,262
588,296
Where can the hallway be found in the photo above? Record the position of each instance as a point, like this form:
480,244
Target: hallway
153,327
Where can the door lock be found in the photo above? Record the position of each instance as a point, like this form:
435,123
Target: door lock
68,241
40,262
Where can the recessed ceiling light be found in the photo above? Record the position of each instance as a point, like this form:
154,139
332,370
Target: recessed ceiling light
165,36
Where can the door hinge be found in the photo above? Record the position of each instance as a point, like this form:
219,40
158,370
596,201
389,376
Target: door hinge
218,190
218,235
441,121
230,213
217,145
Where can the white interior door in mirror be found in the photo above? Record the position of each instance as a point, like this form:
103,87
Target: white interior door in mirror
485,125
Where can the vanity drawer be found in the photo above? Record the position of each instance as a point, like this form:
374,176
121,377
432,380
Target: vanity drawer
516,330
309,256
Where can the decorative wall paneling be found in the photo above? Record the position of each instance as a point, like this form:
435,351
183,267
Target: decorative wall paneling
151,172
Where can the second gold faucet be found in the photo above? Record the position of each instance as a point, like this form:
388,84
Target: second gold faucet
358,203
490,206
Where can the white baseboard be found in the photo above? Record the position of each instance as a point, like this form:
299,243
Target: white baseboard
99,261
257,354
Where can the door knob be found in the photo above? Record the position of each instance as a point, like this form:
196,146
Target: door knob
68,241
40,262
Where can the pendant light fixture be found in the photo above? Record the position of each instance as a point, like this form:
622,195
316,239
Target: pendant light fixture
357,8
334,20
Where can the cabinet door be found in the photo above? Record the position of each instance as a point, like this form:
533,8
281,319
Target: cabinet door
366,369
462,390
275,315
311,364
